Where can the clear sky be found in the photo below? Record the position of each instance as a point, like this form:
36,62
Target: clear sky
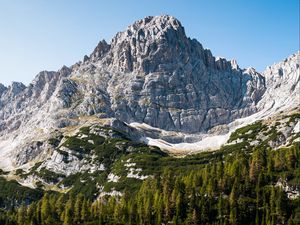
38,35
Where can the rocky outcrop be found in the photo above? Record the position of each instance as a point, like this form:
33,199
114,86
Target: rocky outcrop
291,192
2,89
101,49
283,85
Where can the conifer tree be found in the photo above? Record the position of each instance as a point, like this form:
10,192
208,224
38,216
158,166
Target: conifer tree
22,214
78,208
68,213
45,208
84,210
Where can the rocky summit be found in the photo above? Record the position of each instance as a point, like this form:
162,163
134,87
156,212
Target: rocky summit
151,73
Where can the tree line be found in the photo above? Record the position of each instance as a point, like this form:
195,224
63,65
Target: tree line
237,189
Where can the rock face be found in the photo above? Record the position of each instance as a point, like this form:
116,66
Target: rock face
283,82
150,73
153,73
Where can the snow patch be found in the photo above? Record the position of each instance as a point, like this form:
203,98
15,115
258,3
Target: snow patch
129,164
134,173
297,127
112,178
111,193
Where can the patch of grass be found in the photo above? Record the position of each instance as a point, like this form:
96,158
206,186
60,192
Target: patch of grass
85,130
98,140
19,172
247,132
49,176
126,184
70,180
78,145
54,142
294,117
36,166
82,183
2,172
297,135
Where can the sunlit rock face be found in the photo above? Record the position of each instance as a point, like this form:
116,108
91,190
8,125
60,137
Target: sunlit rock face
153,73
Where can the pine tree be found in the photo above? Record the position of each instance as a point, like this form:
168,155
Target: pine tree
257,163
193,217
45,208
157,205
204,216
22,215
220,209
60,206
233,203
68,213
31,212
84,211
78,208
272,206
167,186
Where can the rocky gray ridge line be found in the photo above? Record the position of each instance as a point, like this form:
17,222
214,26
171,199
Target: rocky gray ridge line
150,73
283,82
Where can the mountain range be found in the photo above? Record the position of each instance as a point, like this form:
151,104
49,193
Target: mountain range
150,76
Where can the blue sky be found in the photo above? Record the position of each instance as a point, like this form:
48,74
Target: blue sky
38,35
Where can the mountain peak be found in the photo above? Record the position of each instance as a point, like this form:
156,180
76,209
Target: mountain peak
99,52
15,88
149,29
161,22
149,45
290,63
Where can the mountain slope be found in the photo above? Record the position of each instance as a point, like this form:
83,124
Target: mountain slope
280,98
150,73
116,180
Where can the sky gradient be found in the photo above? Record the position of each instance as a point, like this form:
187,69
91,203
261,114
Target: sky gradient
38,35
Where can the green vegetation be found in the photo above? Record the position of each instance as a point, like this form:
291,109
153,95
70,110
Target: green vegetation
19,172
84,142
294,117
78,145
247,132
234,185
49,176
54,141
221,188
13,194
